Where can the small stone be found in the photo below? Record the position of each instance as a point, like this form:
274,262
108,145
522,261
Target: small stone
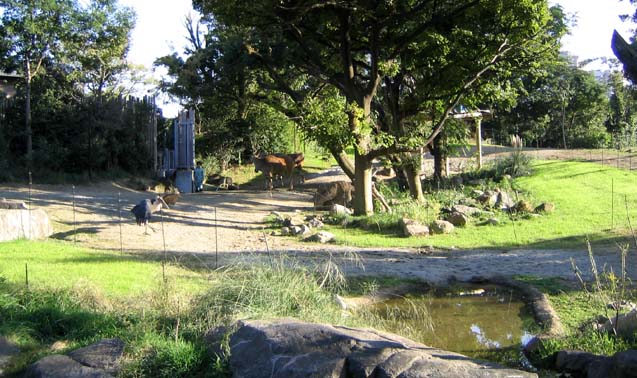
492,222
441,227
315,223
285,231
321,237
546,207
523,206
466,210
412,228
337,209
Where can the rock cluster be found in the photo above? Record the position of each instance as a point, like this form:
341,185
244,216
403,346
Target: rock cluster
296,225
100,360
294,349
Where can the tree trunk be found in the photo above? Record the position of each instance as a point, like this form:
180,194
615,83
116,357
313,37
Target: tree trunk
413,180
363,204
437,151
346,165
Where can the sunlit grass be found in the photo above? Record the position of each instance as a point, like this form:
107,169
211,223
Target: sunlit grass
54,264
591,201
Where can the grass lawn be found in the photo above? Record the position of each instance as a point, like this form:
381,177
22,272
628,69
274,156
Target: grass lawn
54,264
591,201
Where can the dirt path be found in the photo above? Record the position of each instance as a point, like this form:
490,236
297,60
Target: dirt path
189,230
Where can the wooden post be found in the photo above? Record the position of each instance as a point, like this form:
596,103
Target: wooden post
478,122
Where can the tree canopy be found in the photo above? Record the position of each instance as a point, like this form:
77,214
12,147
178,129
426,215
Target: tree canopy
446,50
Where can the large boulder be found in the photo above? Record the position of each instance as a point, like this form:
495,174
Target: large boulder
27,224
294,349
583,364
625,324
337,192
99,360
466,210
7,351
458,219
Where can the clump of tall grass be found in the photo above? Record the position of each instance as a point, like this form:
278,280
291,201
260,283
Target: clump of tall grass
260,291
517,163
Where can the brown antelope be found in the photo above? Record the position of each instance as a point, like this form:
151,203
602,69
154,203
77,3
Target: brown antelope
272,165
298,163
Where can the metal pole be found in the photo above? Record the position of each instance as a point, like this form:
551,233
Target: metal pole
216,242
74,225
119,212
30,185
163,263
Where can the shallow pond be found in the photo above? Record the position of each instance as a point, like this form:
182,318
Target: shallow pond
468,320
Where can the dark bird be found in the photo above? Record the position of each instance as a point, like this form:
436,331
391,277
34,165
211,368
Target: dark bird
145,209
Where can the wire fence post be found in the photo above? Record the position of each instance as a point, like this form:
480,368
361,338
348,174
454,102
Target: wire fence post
119,213
216,242
30,186
74,225
163,236
612,204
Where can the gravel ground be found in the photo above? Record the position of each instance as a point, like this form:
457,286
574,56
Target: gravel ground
188,230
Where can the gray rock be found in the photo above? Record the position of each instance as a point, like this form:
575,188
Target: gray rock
625,324
293,349
321,237
337,209
58,366
491,222
488,198
412,228
99,360
546,207
12,205
28,224
105,355
583,364
315,223
458,219
7,350
504,201
441,227
285,231
296,230
575,361
466,210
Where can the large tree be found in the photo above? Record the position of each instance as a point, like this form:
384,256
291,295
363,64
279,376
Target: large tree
355,45
37,30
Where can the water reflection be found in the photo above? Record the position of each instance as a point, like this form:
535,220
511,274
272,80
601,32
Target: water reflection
467,322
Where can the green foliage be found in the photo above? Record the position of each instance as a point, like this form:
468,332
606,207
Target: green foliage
565,104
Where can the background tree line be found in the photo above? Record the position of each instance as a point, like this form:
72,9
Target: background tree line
376,78
72,113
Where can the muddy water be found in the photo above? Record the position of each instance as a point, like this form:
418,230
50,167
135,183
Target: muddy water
469,320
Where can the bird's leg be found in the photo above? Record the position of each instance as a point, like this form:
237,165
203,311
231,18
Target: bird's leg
152,228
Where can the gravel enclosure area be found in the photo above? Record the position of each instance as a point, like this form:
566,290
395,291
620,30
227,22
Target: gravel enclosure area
188,230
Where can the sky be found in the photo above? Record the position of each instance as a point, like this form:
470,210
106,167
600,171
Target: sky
160,30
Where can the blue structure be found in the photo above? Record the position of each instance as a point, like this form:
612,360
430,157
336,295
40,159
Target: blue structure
181,161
